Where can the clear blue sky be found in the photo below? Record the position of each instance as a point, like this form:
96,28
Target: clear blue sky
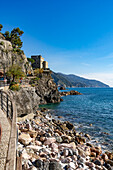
74,36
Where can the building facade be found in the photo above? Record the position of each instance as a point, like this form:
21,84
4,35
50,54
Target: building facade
39,62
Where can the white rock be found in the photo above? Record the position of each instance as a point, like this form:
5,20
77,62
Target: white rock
74,157
65,152
54,147
34,168
28,126
38,143
26,156
47,117
34,147
25,138
20,146
72,165
49,141
66,145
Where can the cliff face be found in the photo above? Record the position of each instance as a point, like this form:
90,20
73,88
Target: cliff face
27,99
47,90
8,57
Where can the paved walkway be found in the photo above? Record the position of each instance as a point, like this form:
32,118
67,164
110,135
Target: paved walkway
6,128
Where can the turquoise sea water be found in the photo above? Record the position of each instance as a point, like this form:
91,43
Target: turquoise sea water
94,107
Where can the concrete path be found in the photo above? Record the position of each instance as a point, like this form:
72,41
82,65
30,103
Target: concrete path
6,129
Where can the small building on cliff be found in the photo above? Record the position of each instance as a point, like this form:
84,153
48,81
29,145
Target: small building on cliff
39,62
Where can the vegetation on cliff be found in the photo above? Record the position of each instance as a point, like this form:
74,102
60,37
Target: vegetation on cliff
30,60
1,26
11,53
14,38
15,72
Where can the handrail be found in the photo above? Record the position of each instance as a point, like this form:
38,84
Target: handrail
8,106
3,84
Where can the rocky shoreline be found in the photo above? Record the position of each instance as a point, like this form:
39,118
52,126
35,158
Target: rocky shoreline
72,92
46,143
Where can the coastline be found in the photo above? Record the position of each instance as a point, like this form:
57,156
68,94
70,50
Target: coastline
46,138
79,128
93,107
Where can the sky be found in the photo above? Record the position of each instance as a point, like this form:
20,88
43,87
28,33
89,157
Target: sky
74,36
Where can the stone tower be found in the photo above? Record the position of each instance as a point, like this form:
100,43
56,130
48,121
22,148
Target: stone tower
39,62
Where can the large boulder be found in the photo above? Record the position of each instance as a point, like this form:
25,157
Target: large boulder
72,92
47,90
62,88
25,139
26,100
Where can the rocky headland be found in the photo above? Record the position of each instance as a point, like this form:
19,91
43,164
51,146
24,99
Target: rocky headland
46,143
72,92
28,98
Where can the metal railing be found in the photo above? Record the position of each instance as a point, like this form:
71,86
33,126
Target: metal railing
3,83
6,104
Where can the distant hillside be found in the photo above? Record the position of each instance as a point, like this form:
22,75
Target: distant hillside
76,81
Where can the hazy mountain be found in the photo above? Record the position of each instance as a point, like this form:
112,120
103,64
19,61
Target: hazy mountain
76,81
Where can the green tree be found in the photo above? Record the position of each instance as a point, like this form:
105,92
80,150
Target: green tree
1,26
31,60
7,35
14,38
15,72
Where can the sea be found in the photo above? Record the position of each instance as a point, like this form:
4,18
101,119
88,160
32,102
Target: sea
91,113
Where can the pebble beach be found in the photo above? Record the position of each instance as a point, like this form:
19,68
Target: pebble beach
47,143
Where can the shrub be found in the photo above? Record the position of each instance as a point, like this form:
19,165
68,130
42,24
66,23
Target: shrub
1,26
15,71
13,83
34,80
33,85
15,87
31,60
1,43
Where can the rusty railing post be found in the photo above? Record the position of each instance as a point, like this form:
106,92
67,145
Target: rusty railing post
1,100
7,107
